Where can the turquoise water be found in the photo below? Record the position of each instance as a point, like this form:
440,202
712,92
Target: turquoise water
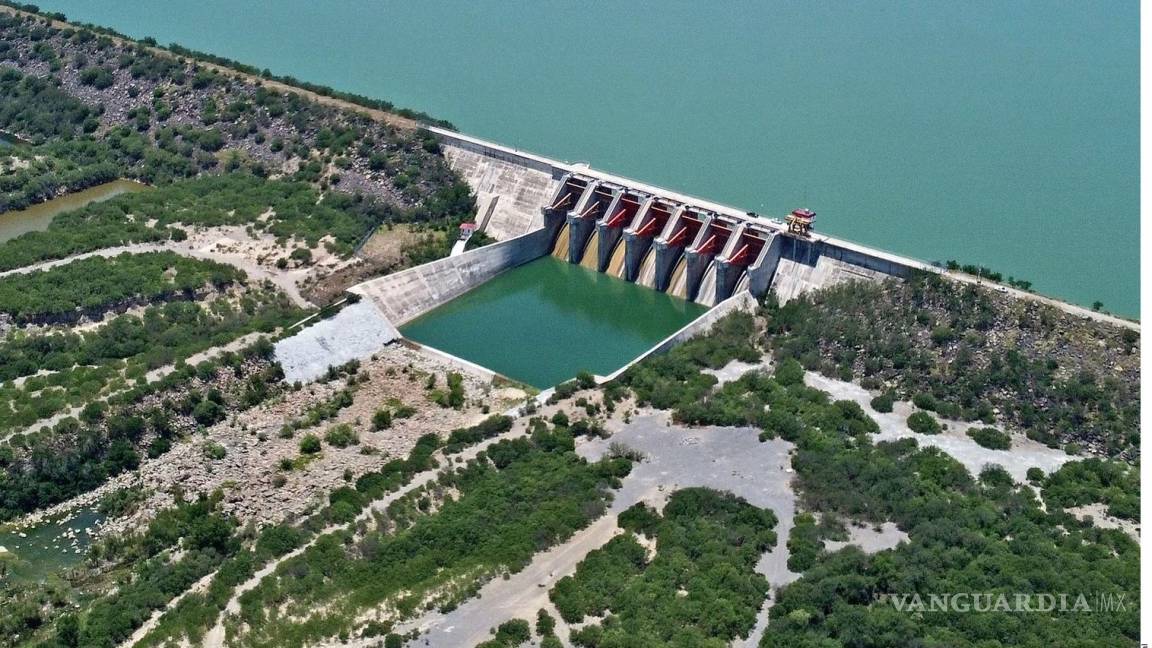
997,133
545,321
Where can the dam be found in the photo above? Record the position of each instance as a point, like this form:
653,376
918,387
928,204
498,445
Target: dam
589,272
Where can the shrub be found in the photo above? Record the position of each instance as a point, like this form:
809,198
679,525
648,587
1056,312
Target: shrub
382,419
341,436
883,402
790,372
214,451
924,402
513,633
991,438
545,624
310,444
923,423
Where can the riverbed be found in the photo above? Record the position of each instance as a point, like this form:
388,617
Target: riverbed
37,217
49,548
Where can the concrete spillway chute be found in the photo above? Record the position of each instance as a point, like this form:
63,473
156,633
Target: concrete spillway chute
711,242
647,273
651,218
582,220
619,216
680,232
570,194
678,282
706,291
743,254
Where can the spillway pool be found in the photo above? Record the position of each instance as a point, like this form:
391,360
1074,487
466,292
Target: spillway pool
545,321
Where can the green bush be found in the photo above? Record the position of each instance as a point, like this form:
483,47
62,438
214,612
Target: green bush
545,624
341,436
924,402
382,419
883,403
923,423
991,438
214,451
310,444
789,372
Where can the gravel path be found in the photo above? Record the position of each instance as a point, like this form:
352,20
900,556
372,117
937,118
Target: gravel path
285,280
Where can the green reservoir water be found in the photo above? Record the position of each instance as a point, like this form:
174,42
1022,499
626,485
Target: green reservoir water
543,322
992,132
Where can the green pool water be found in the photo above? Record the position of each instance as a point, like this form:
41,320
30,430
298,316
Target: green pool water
545,321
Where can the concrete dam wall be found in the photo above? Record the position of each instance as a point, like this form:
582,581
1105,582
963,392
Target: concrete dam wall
509,189
403,296
533,206
689,247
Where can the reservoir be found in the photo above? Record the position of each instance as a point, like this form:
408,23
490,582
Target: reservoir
37,217
1004,134
545,321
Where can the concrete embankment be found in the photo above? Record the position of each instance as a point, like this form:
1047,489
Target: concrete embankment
357,331
742,301
509,189
404,296
361,329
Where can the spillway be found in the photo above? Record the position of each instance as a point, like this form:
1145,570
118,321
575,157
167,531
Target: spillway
560,248
545,321
706,295
742,284
678,284
591,258
616,261
647,275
